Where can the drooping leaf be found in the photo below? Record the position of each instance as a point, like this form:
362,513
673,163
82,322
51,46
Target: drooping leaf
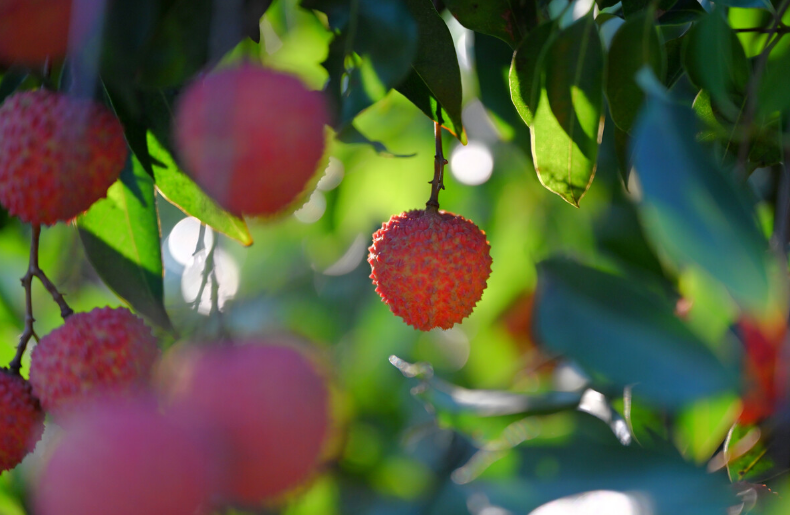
373,49
180,190
691,209
624,336
714,60
435,79
509,20
635,44
525,78
121,238
568,120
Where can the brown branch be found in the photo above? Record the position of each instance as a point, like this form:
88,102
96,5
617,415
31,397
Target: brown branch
439,161
34,270
782,29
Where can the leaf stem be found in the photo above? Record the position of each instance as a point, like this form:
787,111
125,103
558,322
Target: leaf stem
34,270
439,161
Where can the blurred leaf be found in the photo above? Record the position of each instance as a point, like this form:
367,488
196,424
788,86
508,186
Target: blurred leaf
673,49
181,191
635,44
714,60
664,482
624,159
435,78
9,82
350,134
701,428
624,336
684,11
525,71
509,20
568,120
691,208
774,89
748,456
761,4
121,239
373,49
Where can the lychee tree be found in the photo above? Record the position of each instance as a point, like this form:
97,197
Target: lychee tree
576,214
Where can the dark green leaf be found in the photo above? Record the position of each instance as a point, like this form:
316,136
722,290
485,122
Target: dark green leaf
761,4
634,7
435,78
691,208
624,336
714,59
774,91
509,20
624,159
525,71
9,82
122,241
568,120
635,44
603,4
684,11
673,49
181,191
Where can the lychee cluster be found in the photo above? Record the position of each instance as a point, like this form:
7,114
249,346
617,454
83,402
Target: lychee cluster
22,421
251,138
58,155
430,267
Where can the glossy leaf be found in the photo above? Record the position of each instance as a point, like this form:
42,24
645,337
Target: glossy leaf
624,335
636,44
435,78
714,60
525,71
691,209
568,120
121,238
509,20
181,191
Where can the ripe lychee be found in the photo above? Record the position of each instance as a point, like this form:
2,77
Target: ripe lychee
33,30
269,409
101,352
430,267
252,138
22,421
58,155
124,458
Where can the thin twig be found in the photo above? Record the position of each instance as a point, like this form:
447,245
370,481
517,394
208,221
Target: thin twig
754,82
437,183
782,29
781,233
34,270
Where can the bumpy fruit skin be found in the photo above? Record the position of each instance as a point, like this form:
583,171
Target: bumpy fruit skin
102,352
124,458
269,409
58,155
21,420
251,138
430,267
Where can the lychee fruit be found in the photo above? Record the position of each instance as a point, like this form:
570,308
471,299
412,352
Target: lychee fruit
22,421
124,458
430,267
58,155
269,409
252,138
102,352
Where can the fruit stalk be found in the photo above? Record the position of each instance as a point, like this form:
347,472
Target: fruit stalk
438,167
34,270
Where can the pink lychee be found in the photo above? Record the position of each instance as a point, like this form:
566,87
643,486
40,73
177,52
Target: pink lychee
21,419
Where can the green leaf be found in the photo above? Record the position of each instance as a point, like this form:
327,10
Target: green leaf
181,191
525,71
714,60
568,121
774,90
121,238
373,49
760,4
635,44
435,78
673,49
9,82
693,210
623,335
509,20
684,11
351,135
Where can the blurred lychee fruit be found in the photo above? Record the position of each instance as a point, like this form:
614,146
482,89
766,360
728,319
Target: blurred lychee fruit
32,31
58,155
430,267
764,374
251,138
22,421
269,409
124,458
102,352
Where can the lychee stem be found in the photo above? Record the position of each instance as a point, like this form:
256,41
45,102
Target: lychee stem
438,165
34,270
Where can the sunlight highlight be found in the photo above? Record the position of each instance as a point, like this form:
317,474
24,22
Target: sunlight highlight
472,164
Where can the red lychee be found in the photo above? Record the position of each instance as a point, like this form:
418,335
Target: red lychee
105,351
251,138
124,458
269,409
58,155
33,30
22,421
430,267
